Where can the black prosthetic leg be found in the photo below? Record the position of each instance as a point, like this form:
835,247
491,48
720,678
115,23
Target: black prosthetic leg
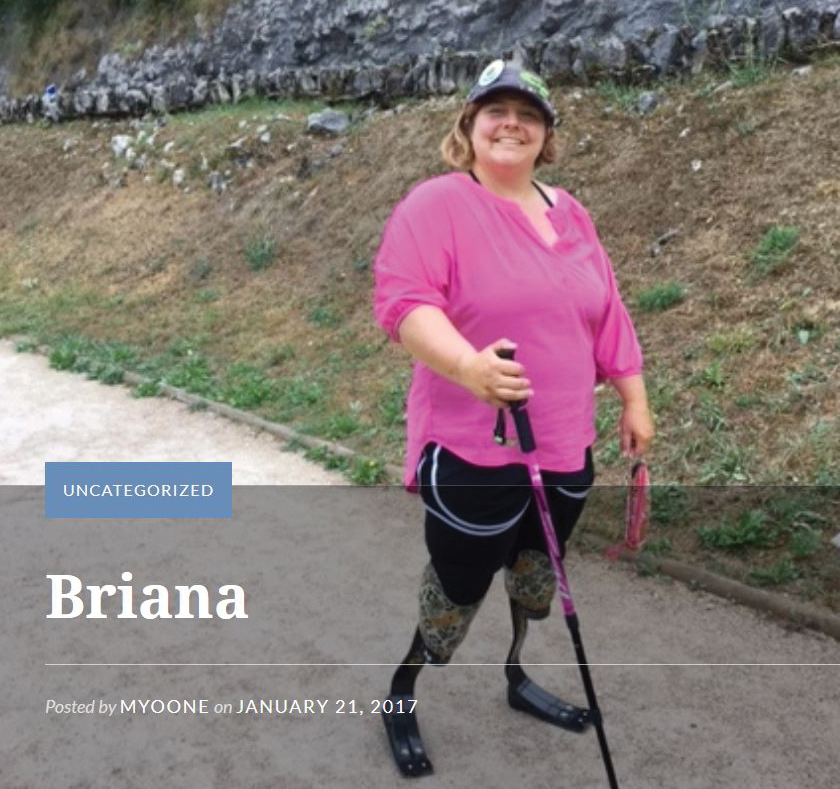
401,723
526,695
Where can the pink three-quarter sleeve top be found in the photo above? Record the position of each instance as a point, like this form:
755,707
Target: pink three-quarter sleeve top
455,245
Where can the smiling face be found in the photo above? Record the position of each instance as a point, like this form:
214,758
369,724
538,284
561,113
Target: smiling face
508,132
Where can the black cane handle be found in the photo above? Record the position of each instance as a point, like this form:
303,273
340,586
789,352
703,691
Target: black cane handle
519,413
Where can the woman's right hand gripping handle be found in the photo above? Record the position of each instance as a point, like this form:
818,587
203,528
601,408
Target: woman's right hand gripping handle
431,338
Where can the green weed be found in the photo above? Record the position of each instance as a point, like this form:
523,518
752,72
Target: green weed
200,269
147,388
749,531
660,546
729,463
324,317
245,386
606,417
807,375
713,376
194,375
668,505
207,295
750,400
339,426
260,253
392,403
625,97
804,543
774,249
730,342
365,471
661,297
329,460
299,392
710,413
279,355
745,128
782,572
748,73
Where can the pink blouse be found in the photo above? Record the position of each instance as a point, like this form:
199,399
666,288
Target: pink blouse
455,245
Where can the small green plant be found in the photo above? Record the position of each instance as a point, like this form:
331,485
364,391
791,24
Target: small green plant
713,376
324,317
365,471
606,416
147,388
804,543
340,426
774,249
747,401
392,404
625,97
207,295
66,354
299,391
750,71
660,546
279,355
746,128
244,386
730,342
751,530
782,572
710,413
661,297
194,375
609,452
807,375
260,253
729,463
668,505
26,346
329,460
200,269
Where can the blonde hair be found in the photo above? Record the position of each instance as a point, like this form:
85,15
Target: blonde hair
457,150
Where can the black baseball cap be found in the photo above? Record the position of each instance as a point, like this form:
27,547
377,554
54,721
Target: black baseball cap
504,75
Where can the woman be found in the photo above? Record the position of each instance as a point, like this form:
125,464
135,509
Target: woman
473,265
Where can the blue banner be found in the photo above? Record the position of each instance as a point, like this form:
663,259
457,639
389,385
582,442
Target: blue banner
138,490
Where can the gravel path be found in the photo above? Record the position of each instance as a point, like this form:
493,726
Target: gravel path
64,417
697,692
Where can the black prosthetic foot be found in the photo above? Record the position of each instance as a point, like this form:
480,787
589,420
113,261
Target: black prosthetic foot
401,722
525,695
404,738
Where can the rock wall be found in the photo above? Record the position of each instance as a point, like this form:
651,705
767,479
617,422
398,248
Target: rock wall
385,50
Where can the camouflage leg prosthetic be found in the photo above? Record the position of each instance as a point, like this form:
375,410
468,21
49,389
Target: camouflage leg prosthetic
443,626
531,584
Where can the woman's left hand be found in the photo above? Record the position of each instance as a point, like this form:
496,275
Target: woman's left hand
635,429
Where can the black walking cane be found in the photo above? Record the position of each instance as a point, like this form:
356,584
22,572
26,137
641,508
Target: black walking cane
527,447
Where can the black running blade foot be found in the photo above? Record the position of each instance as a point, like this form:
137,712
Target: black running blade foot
404,737
529,697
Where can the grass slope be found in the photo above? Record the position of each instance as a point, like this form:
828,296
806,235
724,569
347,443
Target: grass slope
719,210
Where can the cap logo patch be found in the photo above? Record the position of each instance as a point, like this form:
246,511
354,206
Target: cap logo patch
535,83
491,73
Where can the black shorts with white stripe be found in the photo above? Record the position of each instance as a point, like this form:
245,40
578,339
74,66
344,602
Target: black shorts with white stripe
479,518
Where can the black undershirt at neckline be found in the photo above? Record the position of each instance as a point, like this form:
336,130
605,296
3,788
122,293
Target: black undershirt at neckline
535,185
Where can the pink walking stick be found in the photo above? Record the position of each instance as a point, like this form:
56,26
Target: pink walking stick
527,446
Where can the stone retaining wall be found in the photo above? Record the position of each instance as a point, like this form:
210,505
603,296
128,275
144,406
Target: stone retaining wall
379,50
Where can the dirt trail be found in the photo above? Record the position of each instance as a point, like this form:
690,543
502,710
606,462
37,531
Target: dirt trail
697,692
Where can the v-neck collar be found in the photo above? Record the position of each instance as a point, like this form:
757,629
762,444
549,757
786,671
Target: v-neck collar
515,210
